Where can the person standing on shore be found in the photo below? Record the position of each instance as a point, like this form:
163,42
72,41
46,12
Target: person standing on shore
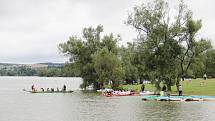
164,89
142,87
204,76
204,79
180,90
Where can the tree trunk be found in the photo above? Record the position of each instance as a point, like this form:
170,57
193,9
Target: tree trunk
169,87
177,83
157,86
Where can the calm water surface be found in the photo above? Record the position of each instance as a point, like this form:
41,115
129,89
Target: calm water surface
17,105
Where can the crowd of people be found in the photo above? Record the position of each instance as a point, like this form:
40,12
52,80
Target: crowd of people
163,92
33,89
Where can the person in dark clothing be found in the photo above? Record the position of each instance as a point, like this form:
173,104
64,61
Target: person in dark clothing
164,89
32,88
180,90
42,89
64,87
142,88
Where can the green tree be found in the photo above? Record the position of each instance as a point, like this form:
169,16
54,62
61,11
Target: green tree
71,70
202,59
210,63
129,63
82,52
169,46
108,67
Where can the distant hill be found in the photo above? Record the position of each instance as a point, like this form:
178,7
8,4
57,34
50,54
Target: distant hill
9,64
57,65
36,65
37,69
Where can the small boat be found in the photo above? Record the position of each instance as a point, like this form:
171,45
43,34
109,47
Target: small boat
68,91
105,90
124,93
128,93
171,98
117,93
150,98
177,98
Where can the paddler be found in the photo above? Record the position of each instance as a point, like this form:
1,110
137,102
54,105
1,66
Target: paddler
33,88
64,87
42,89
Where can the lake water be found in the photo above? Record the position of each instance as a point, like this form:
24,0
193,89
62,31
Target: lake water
17,105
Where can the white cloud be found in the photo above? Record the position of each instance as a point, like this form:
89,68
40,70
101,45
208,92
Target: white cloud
30,30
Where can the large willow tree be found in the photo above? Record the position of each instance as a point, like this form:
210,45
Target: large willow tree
95,57
168,43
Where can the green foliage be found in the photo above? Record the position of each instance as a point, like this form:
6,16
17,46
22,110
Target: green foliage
166,50
17,71
71,70
50,72
169,46
107,66
210,63
88,54
28,71
130,63
193,87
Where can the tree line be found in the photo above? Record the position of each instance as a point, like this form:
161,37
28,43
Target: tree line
42,72
166,50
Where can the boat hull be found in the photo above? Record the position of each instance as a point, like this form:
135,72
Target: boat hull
178,98
70,91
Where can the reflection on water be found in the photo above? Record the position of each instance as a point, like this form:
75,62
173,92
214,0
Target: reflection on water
17,105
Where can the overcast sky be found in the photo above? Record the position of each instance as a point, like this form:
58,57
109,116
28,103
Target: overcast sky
30,30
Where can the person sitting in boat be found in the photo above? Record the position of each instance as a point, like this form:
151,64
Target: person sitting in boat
52,89
115,92
128,92
47,89
57,89
33,88
109,93
42,89
64,87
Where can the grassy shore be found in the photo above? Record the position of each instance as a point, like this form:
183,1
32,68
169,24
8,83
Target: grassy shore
193,87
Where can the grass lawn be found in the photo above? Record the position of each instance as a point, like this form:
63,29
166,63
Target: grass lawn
193,87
